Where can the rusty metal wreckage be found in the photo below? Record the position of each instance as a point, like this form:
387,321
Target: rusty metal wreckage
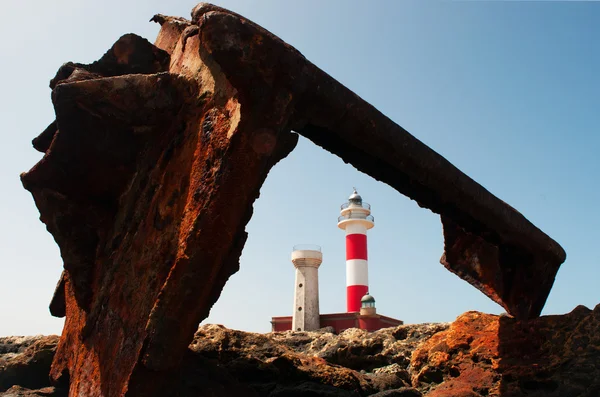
152,141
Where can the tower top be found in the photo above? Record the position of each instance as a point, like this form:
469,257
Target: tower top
367,299
307,255
355,197
355,212
367,305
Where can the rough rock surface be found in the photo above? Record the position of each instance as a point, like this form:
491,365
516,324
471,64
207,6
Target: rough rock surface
477,355
486,355
355,362
26,360
18,391
154,161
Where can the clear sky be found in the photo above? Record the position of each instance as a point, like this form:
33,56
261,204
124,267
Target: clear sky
509,92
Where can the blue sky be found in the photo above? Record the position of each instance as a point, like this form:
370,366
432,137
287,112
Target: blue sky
509,92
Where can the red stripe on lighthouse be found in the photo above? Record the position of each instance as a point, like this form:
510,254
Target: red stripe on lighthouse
354,294
356,246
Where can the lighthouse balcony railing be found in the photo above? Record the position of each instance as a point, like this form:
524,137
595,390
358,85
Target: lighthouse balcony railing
355,216
366,206
307,247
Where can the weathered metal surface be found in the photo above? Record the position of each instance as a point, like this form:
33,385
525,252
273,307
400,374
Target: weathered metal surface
153,163
525,259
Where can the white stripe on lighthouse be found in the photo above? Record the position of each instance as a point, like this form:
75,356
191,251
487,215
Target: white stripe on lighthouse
356,228
357,272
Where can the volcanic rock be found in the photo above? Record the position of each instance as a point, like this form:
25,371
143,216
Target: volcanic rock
355,360
225,362
26,360
18,391
487,355
477,355
401,392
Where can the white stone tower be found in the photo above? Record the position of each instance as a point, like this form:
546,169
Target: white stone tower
306,260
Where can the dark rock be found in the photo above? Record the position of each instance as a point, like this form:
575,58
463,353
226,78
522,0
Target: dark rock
201,377
264,361
26,361
18,391
311,389
388,381
401,392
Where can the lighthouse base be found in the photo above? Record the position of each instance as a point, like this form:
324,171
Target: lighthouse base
341,321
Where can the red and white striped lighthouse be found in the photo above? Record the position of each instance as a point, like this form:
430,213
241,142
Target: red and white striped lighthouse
355,218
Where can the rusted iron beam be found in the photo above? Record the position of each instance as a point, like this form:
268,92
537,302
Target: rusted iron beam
487,242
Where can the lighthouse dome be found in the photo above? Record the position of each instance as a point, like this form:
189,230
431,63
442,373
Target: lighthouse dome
367,299
355,197
367,305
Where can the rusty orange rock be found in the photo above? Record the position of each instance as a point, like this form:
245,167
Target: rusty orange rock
487,355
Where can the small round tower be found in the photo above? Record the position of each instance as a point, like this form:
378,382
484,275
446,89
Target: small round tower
367,305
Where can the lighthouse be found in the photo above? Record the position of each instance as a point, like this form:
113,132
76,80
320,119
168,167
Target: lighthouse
355,218
306,259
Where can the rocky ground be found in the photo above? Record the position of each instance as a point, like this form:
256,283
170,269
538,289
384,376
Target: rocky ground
477,355
25,363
